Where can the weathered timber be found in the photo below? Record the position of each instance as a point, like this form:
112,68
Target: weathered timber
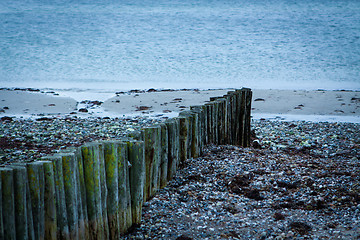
124,188
152,140
35,172
247,131
81,196
49,201
164,155
8,207
137,178
61,211
184,138
90,154
112,183
173,127
20,180
71,192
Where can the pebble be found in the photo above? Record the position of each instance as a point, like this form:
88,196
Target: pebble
26,140
303,188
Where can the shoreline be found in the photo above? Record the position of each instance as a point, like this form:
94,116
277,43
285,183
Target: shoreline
271,104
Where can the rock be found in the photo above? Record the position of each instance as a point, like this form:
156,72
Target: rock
184,237
8,119
300,227
84,110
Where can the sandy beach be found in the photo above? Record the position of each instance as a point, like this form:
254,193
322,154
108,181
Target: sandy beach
320,105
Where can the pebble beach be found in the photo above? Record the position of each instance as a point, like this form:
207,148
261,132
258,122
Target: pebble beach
298,180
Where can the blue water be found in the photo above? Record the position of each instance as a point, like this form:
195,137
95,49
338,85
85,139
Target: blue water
164,43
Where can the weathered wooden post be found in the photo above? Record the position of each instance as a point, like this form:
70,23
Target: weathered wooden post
184,138
8,206
137,178
112,182
205,125
173,126
35,171
164,155
210,122
201,126
81,196
192,147
104,191
152,160
238,117
124,188
71,192
61,211
20,180
233,114
90,154
247,129
49,201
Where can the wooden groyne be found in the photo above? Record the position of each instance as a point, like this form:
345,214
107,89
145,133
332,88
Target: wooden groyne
96,191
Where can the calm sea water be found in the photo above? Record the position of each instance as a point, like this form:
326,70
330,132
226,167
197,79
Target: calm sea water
172,43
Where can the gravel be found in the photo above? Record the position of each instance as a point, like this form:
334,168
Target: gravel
26,140
300,180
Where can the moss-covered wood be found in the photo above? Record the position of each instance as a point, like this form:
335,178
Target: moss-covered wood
8,207
124,188
152,140
61,211
90,154
173,126
164,155
35,172
137,178
49,201
71,192
20,180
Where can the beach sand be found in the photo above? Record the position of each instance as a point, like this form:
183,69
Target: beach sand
317,105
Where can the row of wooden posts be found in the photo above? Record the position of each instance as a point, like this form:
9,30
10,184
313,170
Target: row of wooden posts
96,191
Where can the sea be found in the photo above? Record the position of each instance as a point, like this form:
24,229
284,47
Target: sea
140,44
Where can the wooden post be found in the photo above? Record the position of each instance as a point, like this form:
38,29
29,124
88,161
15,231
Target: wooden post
152,160
90,154
61,211
137,178
184,139
233,120
8,206
229,131
192,139
112,182
20,180
35,171
164,155
81,196
195,144
247,129
201,126
71,192
173,126
104,191
117,181
210,122
49,201
205,139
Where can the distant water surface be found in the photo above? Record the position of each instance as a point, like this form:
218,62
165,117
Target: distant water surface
165,43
